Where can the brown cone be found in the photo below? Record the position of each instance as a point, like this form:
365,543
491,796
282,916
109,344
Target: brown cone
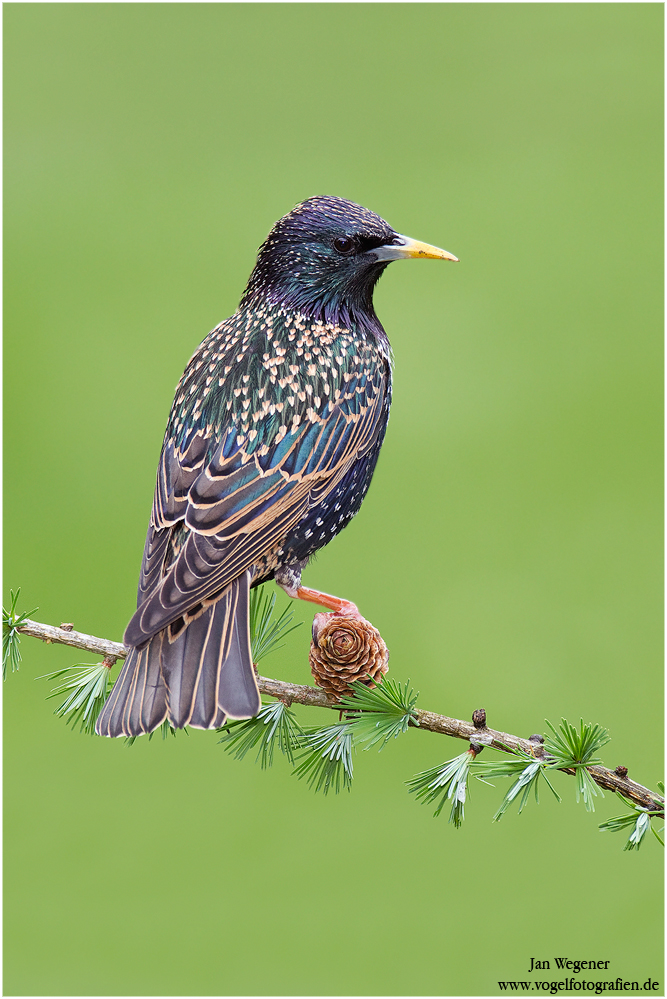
345,649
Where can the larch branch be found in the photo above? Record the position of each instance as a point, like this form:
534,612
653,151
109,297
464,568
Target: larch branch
313,696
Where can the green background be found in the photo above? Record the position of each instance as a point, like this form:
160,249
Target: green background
509,549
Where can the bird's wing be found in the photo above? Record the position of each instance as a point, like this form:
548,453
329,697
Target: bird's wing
177,470
240,498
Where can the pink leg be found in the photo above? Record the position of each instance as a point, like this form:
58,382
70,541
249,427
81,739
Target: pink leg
290,582
343,607
289,579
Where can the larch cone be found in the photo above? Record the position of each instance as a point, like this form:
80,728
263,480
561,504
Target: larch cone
345,649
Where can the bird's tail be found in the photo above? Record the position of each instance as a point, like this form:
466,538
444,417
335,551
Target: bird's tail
199,678
138,701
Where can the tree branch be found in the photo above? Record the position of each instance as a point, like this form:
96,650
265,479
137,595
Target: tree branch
66,636
315,697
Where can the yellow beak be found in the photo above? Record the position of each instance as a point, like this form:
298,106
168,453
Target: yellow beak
412,248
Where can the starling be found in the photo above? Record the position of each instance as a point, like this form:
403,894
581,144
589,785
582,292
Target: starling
270,448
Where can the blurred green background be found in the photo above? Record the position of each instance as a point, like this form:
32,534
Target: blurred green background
509,549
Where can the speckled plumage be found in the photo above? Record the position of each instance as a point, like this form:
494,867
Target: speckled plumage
271,444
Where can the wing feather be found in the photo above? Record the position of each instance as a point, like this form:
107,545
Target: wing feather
239,493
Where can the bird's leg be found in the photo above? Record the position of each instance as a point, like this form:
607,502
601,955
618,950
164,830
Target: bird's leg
336,604
289,579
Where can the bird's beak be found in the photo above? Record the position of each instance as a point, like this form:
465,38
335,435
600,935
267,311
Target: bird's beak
406,247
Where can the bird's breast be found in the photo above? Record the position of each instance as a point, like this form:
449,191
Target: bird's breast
261,375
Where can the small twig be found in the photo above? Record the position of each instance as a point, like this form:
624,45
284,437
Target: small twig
63,636
608,779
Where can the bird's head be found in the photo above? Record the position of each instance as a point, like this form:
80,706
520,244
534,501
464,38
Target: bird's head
325,257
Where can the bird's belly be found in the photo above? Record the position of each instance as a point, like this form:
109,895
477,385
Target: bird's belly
324,521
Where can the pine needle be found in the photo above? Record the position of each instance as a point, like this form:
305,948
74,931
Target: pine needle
87,686
265,634
450,780
274,724
572,749
11,637
380,714
327,762
526,769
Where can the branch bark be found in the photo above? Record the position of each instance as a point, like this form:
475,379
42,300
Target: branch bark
315,697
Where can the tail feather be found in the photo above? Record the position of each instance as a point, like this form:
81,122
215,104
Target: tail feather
187,672
197,679
238,693
138,702
191,668
205,710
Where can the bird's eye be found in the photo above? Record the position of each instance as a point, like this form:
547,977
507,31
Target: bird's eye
344,245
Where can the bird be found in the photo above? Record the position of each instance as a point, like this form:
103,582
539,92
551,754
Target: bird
270,447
